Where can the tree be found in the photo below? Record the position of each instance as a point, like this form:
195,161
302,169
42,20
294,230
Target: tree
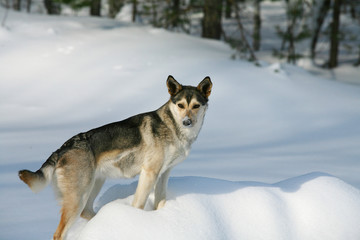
134,10
17,5
114,7
175,13
257,26
52,7
296,30
242,46
211,23
28,5
95,8
228,9
6,13
320,14
334,35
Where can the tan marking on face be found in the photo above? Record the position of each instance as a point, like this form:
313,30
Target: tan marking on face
189,110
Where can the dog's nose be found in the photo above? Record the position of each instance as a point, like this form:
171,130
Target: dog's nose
187,122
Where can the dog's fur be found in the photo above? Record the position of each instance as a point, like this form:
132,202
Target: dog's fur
149,144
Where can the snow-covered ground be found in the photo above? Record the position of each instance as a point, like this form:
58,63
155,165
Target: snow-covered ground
63,75
305,207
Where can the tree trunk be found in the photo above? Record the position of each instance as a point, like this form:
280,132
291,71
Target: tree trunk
7,4
17,5
28,6
242,32
319,22
291,49
211,24
358,61
114,7
154,13
51,7
134,10
228,9
257,26
353,9
95,8
334,35
175,13
48,5
5,14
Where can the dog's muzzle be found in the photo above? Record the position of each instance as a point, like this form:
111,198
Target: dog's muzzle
187,122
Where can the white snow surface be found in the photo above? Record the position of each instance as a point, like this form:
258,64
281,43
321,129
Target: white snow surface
305,207
63,75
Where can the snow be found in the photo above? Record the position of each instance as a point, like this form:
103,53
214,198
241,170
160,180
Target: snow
305,207
63,75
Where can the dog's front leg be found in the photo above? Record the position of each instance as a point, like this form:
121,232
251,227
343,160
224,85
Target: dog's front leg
146,183
160,190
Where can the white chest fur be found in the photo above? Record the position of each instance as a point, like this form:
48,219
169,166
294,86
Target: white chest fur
174,155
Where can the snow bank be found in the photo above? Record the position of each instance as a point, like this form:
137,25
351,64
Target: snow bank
312,206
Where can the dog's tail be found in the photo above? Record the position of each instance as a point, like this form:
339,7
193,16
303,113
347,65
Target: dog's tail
41,178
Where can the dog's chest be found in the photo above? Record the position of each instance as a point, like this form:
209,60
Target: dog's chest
174,155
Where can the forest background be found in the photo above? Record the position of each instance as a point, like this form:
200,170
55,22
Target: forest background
317,34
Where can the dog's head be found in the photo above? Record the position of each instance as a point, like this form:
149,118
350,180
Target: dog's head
188,104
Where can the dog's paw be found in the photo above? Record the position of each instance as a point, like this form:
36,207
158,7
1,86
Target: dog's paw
161,204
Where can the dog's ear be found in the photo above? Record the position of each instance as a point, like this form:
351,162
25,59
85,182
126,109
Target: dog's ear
173,86
205,87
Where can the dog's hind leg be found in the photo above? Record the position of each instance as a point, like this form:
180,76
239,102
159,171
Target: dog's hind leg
74,181
69,212
88,211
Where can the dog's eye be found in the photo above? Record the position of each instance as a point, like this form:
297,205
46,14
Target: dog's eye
196,106
181,106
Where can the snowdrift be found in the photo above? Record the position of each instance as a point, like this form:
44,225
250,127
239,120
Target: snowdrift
312,206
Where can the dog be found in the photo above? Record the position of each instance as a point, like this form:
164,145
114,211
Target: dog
149,144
